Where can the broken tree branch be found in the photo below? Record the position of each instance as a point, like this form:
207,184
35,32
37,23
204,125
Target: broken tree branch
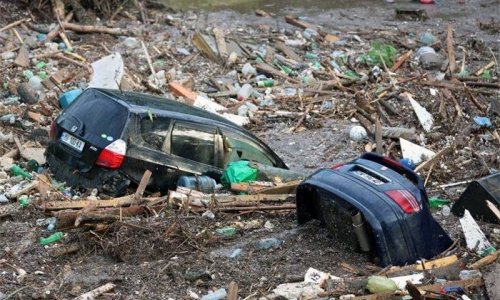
94,29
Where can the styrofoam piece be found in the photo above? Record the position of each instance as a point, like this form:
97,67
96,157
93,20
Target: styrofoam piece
474,236
424,117
107,72
414,152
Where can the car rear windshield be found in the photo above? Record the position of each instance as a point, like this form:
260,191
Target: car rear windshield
100,115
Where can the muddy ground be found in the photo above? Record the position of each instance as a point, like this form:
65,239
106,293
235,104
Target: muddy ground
174,254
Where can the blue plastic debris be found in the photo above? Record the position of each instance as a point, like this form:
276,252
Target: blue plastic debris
408,163
41,37
68,97
483,121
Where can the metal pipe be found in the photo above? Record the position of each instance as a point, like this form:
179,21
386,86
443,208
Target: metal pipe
361,231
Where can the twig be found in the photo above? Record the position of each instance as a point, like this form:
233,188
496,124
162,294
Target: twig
17,35
429,174
15,292
14,24
401,60
92,28
148,59
449,46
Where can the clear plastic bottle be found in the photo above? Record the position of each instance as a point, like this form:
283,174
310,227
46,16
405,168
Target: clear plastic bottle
217,295
244,92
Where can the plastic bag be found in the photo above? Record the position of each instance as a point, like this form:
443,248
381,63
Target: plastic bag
238,171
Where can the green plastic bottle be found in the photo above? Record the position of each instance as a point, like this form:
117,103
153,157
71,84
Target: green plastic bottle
24,201
265,83
16,170
226,231
51,238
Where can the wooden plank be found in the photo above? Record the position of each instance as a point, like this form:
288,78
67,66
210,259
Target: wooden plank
251,187
274,72
288,51
485,260
221,42
438,263
254,198
142,185
287,188
301,24
232,293
493,209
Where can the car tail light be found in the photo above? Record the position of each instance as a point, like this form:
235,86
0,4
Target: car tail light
337,166
391,162
52,132
113,155
405,200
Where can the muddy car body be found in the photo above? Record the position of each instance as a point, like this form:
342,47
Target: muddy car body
108,138
391,200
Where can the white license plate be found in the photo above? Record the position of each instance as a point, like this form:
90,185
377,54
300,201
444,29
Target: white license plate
72,141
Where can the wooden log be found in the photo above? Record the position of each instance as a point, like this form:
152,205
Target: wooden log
54,32
94,29
85,217
489,259
67,218
79,204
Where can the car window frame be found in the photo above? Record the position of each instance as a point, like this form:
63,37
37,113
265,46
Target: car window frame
218,147
244,136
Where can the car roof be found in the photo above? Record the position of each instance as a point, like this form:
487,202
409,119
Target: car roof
136,102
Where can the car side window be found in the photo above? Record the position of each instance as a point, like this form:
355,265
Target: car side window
194,142
155,131
243,148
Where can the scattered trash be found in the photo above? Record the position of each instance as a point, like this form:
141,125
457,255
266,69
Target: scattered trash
357,133
51,239
474,236
415,153
380,284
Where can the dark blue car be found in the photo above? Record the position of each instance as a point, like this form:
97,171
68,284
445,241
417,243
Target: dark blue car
378,205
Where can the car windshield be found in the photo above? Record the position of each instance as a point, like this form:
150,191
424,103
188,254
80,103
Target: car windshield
99,114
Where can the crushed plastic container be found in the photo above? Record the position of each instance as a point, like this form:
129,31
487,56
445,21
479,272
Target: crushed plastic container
68,97
51,239
204,184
